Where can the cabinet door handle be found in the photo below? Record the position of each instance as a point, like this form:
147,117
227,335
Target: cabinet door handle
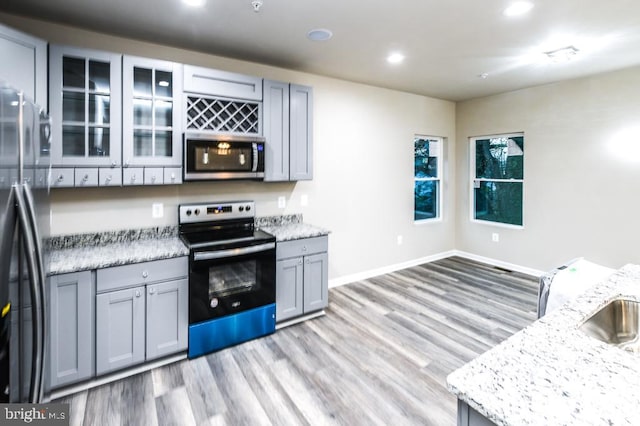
300,262
113,164
137,293
152,290
304,248
60,178
85,178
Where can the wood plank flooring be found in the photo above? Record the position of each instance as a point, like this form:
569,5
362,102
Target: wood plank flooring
379,356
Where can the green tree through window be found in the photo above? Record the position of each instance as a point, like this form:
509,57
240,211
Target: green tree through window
427,177
498,178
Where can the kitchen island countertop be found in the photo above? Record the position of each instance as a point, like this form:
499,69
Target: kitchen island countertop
551,373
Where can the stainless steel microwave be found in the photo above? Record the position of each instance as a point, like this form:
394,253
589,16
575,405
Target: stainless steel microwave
217,157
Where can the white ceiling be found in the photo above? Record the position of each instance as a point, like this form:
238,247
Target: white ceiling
447,43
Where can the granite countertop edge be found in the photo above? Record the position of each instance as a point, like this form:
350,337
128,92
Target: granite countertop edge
81,252
552,373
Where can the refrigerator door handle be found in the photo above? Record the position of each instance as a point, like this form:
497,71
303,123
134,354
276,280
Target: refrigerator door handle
36,390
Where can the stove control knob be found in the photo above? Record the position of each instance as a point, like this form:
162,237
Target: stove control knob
188,212
241,208
197,212
248,207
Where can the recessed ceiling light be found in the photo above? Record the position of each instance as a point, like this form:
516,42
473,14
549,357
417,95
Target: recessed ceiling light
194,3
395,58
319,34
483,76
518,8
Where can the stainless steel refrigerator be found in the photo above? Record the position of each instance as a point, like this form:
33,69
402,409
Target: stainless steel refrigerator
24,224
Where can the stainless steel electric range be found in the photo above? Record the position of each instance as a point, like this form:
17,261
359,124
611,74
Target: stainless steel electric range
232,275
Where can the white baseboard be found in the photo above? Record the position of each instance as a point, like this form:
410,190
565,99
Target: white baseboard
499,263
347,279
387,269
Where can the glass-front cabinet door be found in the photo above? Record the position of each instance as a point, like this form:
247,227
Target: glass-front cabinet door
85,97
152,90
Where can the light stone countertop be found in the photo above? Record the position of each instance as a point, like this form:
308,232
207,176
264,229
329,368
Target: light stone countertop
111,254
294,231
551,373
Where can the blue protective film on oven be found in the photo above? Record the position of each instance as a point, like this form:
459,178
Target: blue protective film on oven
219,333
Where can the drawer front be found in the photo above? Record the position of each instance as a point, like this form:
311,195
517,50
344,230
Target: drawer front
133,176
118,277
302,247
221,83
110,177
86,177
62,178
153,175
172,175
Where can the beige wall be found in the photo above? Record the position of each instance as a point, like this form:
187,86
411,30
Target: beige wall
363,166
582,178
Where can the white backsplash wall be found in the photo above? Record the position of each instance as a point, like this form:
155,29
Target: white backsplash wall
362,190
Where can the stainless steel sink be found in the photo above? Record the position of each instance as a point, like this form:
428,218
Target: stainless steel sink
616,324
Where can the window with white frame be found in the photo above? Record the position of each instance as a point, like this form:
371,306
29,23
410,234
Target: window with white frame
427,184
497,172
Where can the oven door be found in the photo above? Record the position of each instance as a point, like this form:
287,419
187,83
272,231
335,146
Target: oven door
231,279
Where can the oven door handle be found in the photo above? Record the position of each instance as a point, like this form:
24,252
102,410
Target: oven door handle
221,254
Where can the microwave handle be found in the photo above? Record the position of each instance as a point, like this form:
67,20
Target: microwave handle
221,254
254,167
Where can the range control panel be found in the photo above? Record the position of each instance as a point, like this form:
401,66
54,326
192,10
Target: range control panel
209,212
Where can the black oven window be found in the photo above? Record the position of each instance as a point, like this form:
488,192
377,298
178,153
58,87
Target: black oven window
233,278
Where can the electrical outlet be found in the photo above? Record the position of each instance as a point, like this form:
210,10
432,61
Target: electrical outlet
282,202
157,210
399,240
495,237
304,200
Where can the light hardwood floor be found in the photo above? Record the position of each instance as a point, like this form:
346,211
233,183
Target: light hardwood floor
380,356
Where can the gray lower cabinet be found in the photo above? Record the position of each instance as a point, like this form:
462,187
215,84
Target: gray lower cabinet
302,284
71,328
467,416
141,313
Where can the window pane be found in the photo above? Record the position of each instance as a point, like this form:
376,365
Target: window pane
425,158
98,142
73,72
499,202
99,73
98,109
164,144
142,143
142,112
164,113
73,141
142,82
163,84
500,158
72,106
425,199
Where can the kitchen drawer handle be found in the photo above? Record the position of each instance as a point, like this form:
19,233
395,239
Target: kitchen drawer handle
60,177
85,178
145,274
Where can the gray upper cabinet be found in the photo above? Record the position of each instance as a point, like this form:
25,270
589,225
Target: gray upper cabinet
301,133
276,130
151,116
224,84
71,322
288,129
24,64
85,94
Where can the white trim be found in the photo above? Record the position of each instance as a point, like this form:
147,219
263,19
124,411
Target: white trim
347,279
499,263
